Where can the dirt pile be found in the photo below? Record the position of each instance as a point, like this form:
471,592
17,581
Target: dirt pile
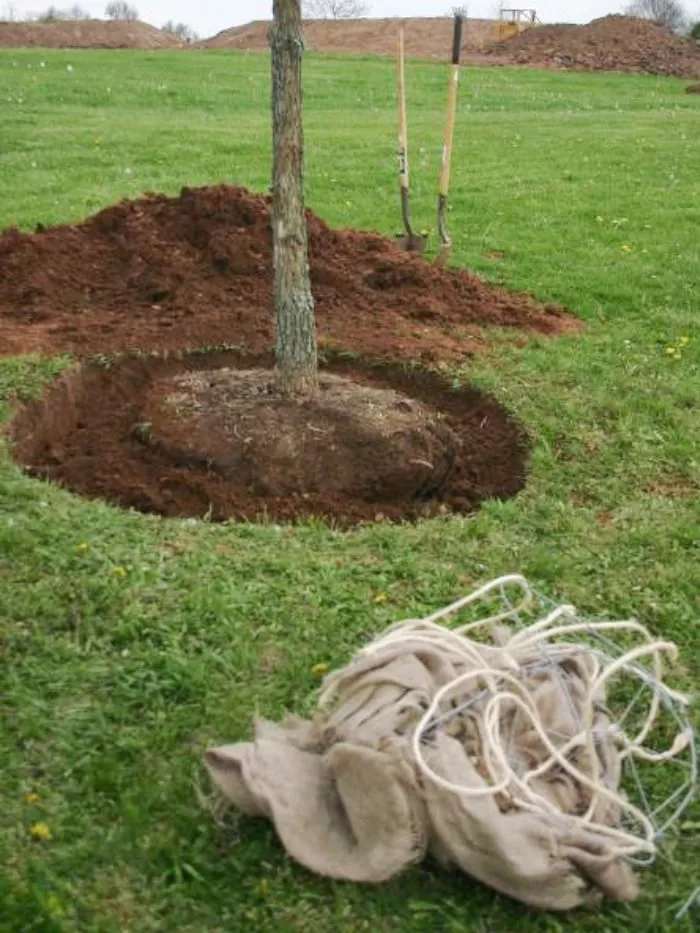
192,271
139,447
85,34
424,37
612,43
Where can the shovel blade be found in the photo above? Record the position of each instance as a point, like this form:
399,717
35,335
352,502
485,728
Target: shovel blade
411,243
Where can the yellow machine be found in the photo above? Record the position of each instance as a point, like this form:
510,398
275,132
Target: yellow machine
511,22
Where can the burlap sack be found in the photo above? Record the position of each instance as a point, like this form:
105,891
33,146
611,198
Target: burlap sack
347,800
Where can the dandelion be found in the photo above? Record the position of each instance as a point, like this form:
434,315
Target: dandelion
319,669
626,248
683,341
41,832
381,598
53,905
82,547
119,571
31,798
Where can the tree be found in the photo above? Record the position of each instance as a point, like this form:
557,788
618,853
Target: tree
121,10
296,351
695,31
669,13
54,15
335,9
181,30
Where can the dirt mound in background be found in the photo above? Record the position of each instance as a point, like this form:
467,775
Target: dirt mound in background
85,34
424,37
612,43
166,273
91,433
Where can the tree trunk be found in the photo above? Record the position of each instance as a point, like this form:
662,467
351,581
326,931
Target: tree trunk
297,357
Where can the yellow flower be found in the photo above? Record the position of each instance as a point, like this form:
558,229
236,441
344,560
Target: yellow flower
319,669
381,598
82,547
53,905
626,248
683,341
119,571
670,350
31,798
40,831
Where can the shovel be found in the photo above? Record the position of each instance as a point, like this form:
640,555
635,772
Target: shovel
408,240
445,237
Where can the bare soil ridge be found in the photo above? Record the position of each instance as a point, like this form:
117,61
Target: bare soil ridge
611,43
85,34
425,37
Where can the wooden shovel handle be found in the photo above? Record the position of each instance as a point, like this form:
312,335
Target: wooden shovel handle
451,107
403,123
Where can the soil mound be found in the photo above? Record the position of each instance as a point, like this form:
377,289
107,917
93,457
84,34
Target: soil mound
194,271
201,437
425,37
612,43
85,34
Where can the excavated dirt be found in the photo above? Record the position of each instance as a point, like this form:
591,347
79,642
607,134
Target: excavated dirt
205,436
693,89
196,271
425,37
612,43
85,34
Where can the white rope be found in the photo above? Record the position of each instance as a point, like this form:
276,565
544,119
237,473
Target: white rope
498,668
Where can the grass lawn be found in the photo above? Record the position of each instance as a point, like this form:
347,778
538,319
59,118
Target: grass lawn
129,643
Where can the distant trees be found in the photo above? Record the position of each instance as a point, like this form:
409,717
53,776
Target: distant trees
695,30
334,9
669,13
181,30
121,10
54,15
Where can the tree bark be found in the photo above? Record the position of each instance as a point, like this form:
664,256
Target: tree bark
297,355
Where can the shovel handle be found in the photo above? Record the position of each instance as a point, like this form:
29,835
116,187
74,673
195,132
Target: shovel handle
403,122
449,132
451,106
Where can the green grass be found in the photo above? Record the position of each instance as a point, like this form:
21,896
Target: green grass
128,643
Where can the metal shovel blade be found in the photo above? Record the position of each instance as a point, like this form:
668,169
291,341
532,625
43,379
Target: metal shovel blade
411,242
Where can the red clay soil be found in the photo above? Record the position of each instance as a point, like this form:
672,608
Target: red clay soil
195,271
425,37
85,34
612,43
111,450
